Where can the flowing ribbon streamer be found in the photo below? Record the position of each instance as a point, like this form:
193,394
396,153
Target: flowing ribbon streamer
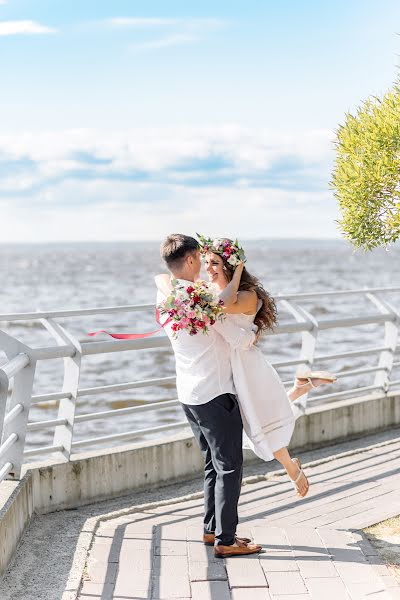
134,336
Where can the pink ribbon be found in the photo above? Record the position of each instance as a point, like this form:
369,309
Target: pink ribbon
134,336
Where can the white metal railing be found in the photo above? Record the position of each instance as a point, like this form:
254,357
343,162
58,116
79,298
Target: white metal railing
22,360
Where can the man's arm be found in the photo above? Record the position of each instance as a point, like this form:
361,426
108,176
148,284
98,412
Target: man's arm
237,337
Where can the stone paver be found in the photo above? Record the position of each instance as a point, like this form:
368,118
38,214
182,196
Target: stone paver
313,549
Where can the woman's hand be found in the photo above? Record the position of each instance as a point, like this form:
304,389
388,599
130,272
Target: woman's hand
240,265
163,283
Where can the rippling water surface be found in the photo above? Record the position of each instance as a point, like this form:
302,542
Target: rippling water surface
67,276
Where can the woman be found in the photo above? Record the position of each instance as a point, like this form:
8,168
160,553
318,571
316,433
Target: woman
267,415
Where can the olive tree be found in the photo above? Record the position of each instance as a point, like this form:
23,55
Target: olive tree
366,176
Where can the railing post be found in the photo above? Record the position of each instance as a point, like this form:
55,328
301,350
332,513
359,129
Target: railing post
63,434
21,395
308,343
386,357
4,383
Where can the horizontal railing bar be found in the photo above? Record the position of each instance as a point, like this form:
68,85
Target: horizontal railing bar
14,412
51,352
15,365
90,348
394,382
367,388
6,445
50,397
355,321
121,345
351,353
305,295
341,374
35,426
290,363
52,314
4,471
128,434
290,327
129,385
43,450
117,412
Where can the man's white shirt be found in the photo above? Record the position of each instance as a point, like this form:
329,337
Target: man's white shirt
203,366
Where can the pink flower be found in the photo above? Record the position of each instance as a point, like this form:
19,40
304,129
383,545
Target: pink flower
191,314
185,322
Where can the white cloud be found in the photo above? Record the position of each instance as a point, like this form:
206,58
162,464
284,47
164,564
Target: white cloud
155,149
161,22
180,31
23,28
182,156
141,22
140,184
115,211
164,42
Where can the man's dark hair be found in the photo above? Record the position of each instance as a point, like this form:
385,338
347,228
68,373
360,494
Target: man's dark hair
176,247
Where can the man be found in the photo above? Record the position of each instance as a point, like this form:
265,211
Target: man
205,389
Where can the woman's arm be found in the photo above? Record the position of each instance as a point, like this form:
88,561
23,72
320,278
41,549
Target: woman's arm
246,303
230,294
163,283
235,301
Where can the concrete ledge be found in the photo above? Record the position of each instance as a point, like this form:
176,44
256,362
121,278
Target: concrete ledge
15,514
95,476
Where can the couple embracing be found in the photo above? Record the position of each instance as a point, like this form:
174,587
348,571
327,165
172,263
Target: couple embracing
225,384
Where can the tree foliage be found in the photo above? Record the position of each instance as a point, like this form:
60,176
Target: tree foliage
366,177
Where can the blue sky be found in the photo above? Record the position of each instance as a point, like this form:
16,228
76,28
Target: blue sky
126,120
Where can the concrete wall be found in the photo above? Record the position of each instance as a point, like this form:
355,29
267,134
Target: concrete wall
346,419
95,476
99,475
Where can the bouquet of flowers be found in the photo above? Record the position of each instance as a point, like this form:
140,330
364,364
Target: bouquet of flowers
192,308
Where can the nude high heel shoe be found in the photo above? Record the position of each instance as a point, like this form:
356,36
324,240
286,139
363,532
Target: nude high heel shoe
310,375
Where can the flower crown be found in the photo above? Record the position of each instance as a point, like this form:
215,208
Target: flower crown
229,250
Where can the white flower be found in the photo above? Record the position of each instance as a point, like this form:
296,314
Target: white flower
216,243
232,260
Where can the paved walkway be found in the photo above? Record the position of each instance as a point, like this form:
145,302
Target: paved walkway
312,547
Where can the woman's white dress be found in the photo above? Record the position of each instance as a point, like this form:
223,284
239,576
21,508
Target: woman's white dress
267,414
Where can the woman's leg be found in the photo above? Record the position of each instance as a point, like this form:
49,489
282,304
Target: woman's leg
292,470
295,392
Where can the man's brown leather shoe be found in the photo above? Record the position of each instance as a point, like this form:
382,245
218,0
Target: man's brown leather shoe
209,539
225,551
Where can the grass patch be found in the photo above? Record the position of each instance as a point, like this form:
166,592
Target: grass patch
385,537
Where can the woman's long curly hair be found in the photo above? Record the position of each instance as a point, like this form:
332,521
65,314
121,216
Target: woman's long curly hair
266,317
